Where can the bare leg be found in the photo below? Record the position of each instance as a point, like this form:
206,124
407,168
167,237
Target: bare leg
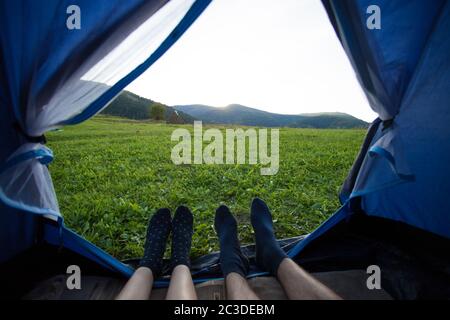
181,286
299,284
238,288
139,286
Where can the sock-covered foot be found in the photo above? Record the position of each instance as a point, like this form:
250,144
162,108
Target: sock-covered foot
182,230
268,253
231,257
155,244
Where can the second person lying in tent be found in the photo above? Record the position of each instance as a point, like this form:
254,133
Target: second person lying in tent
296,282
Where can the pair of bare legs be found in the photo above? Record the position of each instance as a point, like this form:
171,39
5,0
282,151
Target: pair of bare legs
296,282
140,285
160,226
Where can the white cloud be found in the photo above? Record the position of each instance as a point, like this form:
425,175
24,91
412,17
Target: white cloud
279,56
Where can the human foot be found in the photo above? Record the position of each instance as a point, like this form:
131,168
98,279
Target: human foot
231,257
268,253
182,230
155,243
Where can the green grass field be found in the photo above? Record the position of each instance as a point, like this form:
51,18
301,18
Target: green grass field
111,174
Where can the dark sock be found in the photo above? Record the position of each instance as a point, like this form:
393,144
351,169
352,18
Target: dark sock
268,253
182,230
231,257
155,244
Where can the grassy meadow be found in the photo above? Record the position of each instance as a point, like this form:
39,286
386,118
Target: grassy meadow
111,174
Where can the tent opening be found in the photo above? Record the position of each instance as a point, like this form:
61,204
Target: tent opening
280,86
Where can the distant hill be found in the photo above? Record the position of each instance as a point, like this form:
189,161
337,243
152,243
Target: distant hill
328,120
242,115
132,106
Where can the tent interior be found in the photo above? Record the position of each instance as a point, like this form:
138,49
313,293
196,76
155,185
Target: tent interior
395,207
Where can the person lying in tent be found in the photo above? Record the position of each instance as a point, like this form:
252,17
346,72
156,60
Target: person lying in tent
296,282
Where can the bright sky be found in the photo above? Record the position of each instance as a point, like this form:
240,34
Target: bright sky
278,56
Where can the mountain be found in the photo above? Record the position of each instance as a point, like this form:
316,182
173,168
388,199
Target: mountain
242,115
132,106
329,120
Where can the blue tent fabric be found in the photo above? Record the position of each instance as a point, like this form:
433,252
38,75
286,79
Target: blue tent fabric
384,59
60,236
423,124
18,231
17,228
405,72
52,48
